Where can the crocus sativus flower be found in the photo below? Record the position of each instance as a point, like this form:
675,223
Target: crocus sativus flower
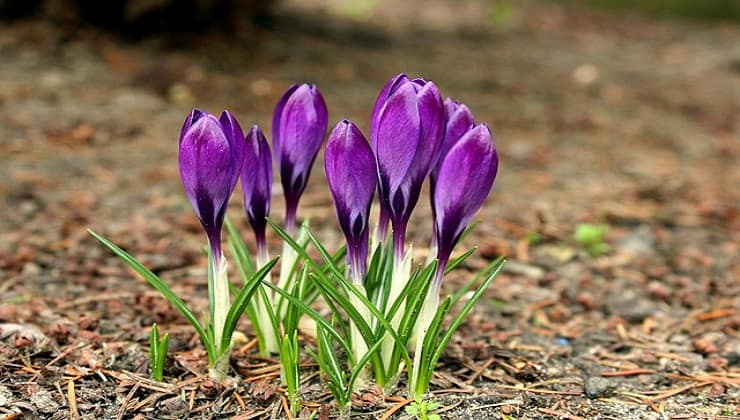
407,129
352,177
299,125
256,178
464,181
211,155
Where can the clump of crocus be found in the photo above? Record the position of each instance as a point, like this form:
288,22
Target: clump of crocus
211,155
299,125
351,174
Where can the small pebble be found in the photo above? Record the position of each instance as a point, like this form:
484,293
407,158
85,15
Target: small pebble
597,387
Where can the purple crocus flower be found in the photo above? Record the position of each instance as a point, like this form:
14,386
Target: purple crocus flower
407,132
464,181
352,176
458,119
298,128
211,155
256,177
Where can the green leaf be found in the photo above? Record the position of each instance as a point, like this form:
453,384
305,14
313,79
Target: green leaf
239,248
242,300
168,294
457,321
313,315
459,260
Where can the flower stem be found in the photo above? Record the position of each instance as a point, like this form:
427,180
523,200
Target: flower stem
269,343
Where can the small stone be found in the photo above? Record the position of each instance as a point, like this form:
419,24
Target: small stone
526,270
640,242
597,387
704,346
44,402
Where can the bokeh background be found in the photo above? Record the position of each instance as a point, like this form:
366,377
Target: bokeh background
618,114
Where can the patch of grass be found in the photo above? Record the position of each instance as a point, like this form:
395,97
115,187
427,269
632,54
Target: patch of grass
591,238
712,10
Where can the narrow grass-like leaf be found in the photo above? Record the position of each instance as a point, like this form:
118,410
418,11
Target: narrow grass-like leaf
459,260
168,294
242,300
313,315
240,247
457,321
483,274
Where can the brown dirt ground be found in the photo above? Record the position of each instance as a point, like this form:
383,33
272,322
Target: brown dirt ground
598,118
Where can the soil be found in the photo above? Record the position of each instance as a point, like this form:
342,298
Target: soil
599,118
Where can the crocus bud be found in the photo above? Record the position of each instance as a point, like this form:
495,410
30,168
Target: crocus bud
211,155
298,129
458,119
464,180
406,139
352,176
256,177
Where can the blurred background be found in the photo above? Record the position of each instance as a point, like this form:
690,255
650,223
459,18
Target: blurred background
617,123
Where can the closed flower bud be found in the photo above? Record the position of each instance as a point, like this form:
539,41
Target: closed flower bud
407,136
465,178
210,157
298,128
458,119
256,177
352,177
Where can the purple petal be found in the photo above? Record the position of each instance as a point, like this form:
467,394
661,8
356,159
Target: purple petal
459,120
277,115
234,134
299,127
398,134
390,87
464,181
351,174
207,171
256,177
431,112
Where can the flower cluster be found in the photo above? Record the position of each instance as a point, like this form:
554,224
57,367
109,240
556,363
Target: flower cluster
384,310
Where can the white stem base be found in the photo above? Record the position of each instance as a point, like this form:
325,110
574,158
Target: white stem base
401,273
221,299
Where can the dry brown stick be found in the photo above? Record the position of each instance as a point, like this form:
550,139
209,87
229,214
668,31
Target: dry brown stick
124,406
478,372
286,408
540,391
399,405
630,372
72,398
677,391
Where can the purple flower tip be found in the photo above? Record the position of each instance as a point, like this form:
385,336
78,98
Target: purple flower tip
298,128
407,134
256,177
210,157
465,178
458,119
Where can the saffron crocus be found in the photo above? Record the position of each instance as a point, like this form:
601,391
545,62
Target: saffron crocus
390,87
211,157
256,177
298,128
407,133
352,177
465,178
